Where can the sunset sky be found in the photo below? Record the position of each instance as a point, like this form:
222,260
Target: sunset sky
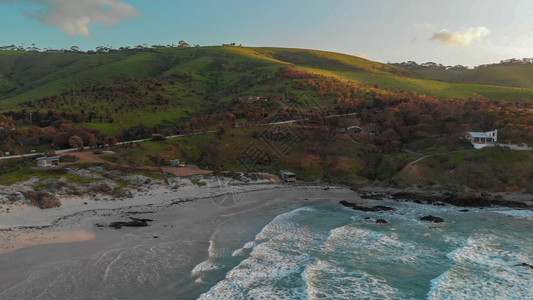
448,32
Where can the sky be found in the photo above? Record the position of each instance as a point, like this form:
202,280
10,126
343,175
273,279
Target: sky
467,32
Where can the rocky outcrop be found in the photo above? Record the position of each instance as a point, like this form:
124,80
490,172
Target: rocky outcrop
381,221
365,208
525,265
433,219
428,197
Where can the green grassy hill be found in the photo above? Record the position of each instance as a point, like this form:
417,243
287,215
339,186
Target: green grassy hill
520,76
28,76
174,84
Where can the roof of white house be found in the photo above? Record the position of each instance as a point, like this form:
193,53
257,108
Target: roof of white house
48,158
479,134
286,172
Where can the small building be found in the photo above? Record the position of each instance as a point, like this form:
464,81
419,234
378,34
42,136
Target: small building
482,139
177,163
287,176
350,130
48,161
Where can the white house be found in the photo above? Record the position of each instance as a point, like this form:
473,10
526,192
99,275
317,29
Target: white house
45,161
483,139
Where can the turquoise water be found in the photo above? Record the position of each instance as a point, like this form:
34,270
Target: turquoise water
327,251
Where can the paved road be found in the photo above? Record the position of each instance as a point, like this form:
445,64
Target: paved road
87,148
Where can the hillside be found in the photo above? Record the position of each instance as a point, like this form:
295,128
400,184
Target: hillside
230,98
517,75
29,76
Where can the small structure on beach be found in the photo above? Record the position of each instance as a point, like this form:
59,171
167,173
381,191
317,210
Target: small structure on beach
177,163
287,176
482,139
48,161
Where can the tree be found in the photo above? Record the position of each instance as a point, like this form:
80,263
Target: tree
157,137
220,130
61,140
88,138
110,141
6,122
76,142
182,43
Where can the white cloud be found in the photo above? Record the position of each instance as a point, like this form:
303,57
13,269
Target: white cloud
75,17
463,37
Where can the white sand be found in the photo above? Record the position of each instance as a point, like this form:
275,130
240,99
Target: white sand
26,225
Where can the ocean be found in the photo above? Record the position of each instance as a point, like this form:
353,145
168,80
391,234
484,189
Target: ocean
326,251
289,250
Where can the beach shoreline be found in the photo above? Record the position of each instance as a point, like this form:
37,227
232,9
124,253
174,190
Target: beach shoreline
19,228
190,227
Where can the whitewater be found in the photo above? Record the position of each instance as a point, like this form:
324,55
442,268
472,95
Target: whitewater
330,252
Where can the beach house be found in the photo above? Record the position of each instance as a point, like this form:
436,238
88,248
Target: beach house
483,139
47,161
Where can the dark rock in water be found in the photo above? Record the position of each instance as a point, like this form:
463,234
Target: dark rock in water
381,221
525,265
155,236
135,222
346,203
464,210
416,198
364,208
455,199
431,218
439,204
99,225
381,208
367,218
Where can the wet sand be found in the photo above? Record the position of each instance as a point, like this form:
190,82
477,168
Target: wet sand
14,240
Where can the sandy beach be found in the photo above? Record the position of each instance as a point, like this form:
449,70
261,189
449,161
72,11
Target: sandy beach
26,225
191,219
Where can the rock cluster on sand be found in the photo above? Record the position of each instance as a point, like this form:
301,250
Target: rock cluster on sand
135,222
